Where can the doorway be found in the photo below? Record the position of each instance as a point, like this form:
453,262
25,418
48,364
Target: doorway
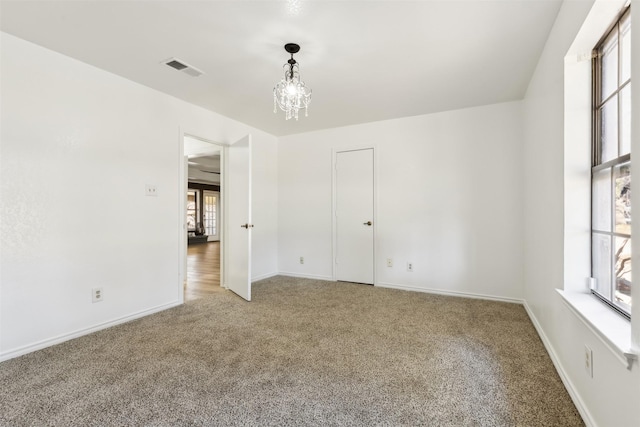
234,201
354,225
202,189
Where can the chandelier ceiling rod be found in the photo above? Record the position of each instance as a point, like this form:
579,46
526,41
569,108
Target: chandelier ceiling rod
291,48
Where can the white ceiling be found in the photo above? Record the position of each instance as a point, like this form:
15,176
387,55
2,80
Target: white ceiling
364,60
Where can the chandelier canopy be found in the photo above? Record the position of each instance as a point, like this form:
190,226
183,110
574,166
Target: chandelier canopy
291,94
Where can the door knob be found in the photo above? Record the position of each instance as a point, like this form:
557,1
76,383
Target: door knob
367,223
247,226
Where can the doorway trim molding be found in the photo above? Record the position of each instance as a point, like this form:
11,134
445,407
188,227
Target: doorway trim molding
334,230
182,202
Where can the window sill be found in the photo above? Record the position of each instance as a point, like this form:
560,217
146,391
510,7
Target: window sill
613,330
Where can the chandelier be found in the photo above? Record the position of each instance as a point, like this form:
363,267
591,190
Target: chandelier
291,94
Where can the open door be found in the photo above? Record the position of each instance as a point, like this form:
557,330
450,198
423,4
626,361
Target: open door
238,221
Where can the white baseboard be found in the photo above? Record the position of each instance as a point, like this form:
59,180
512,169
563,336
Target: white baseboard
575,397
305,276
85,331
449,293
263,276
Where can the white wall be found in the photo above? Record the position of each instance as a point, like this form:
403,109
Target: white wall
78,146
449,200
611,397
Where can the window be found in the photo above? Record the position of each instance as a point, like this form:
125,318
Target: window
211,213
611,168
193,213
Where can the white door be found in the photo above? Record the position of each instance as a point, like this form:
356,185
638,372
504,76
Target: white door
238,222
211,214
354,216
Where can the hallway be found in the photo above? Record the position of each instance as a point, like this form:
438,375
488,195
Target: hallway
203,270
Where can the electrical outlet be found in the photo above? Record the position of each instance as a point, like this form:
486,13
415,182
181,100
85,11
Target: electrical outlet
588,361
97,294
389,262
410,267
301,260
151,190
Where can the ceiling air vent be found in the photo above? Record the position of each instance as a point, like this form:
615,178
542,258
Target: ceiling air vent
184,67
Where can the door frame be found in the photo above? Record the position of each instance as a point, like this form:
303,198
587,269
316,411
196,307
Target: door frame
334,228
182,203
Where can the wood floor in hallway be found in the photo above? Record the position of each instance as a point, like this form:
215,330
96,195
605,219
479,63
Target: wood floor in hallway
203,270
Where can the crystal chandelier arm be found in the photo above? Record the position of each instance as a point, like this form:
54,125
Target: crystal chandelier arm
291,94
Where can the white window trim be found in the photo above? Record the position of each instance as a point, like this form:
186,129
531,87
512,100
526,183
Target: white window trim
610,327
613,330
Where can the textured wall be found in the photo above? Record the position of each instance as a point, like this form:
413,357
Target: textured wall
554,194
78,146
449,200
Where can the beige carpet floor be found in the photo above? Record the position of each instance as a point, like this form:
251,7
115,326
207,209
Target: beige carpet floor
304,352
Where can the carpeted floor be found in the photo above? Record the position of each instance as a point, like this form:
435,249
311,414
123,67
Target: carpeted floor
304,352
